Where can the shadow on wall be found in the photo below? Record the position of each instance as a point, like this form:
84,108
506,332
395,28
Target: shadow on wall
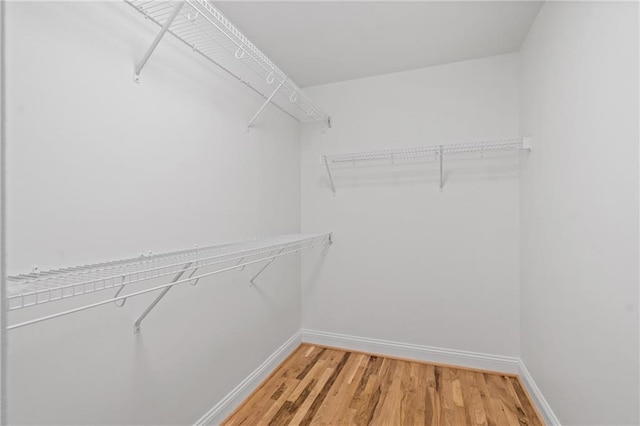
312,270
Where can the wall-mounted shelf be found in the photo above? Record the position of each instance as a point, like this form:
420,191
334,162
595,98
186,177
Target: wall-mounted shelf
206,31
183,266
485,149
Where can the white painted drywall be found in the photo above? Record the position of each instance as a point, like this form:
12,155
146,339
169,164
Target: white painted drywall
579,210
102,168
3,230
410,263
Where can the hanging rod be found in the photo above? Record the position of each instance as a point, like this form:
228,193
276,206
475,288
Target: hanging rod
33,289
202,27
483,149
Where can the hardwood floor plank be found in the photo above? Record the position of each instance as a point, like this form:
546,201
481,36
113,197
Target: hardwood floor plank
250,413
319,399
388,410
301,414
328,386
487,401
500,396
302,374
372,369
479,414
385,378
414,389
289,408
432,400
476,414
290,385
338,398
311,373
527,414
369,402
311,349
462,395
444,386
347,415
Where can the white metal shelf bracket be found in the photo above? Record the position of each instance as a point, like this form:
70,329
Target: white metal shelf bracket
251,283
136,325
326,164
120,302
239,262
195,269
264,105
156,41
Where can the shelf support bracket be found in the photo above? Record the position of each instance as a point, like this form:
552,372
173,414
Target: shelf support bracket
326,164
251,283
441,155
156,41
136,326
120,303
239,262
195,282
264,105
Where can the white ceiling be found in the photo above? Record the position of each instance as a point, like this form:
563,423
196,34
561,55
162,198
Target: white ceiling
318,42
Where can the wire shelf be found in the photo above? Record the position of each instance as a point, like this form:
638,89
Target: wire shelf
208,32
428,153
27,290
439,153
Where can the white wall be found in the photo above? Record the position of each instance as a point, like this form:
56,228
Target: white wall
102,168
579,210
3,232
410,263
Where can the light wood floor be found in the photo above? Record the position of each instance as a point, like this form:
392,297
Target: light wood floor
317,385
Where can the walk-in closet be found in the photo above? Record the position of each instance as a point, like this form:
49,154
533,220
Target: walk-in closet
319,212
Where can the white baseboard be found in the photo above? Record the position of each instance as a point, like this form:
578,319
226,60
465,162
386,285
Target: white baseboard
234,398
543,406
418,352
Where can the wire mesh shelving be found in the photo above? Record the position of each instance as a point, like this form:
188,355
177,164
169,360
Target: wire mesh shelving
483,149
202,27
184,266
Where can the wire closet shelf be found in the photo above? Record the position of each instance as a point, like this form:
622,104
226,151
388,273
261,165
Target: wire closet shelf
202,27
468,150
37,288
428,153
